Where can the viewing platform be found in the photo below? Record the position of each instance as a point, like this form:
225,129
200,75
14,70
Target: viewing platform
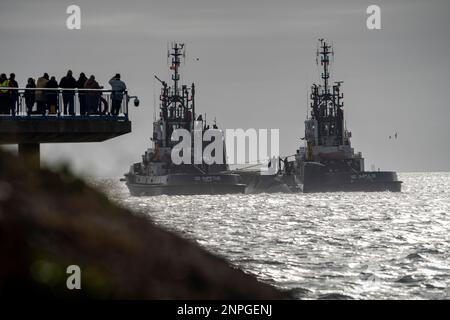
91,120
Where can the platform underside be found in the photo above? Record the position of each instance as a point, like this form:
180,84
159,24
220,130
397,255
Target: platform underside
17,130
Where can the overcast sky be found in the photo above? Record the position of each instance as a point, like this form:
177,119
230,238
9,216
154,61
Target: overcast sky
256,60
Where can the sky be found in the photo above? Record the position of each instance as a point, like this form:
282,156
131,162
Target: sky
253,62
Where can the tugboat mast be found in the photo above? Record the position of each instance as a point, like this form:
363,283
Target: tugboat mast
177,104
326,105
325,61
176,53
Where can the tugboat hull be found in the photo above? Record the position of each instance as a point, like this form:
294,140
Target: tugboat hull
377,181
185,184
361,181
138,190
316,180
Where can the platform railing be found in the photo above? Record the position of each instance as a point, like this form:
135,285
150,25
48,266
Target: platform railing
49,102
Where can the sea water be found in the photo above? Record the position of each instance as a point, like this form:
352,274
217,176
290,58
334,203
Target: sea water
358,245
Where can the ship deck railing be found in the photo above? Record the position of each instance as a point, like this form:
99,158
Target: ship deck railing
20,112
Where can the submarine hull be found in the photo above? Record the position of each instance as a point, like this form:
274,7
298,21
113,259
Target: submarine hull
184,184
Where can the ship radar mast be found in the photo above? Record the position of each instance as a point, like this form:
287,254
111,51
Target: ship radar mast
324,55
177,103
326,104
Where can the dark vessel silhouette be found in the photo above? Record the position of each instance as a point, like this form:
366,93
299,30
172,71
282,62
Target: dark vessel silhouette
327,161
157,174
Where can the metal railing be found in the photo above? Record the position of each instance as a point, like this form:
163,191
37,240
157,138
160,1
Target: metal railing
59,102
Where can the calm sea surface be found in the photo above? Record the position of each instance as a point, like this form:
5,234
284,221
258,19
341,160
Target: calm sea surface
325,245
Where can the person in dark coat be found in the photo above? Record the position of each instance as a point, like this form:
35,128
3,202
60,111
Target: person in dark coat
30,96
14,94
52,95
82,95
93,97
68,82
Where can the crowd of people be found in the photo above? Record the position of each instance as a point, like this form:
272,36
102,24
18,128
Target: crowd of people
44,102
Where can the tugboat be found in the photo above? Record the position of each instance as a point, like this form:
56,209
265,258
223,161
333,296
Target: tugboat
157,174
327,162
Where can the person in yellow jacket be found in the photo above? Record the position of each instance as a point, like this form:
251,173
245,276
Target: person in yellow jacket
14,94
4,94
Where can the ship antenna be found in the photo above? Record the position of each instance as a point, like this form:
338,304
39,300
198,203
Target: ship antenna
317,52
307,93
307,103
154,100
325,63
176,53
168,53
332,51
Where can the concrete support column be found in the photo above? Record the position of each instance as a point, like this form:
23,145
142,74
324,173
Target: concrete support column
30,153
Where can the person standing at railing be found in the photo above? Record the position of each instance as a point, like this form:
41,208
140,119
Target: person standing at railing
41,97
82,95
4,94
68,82
118,87
30,96
14,94
52,96
93,97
